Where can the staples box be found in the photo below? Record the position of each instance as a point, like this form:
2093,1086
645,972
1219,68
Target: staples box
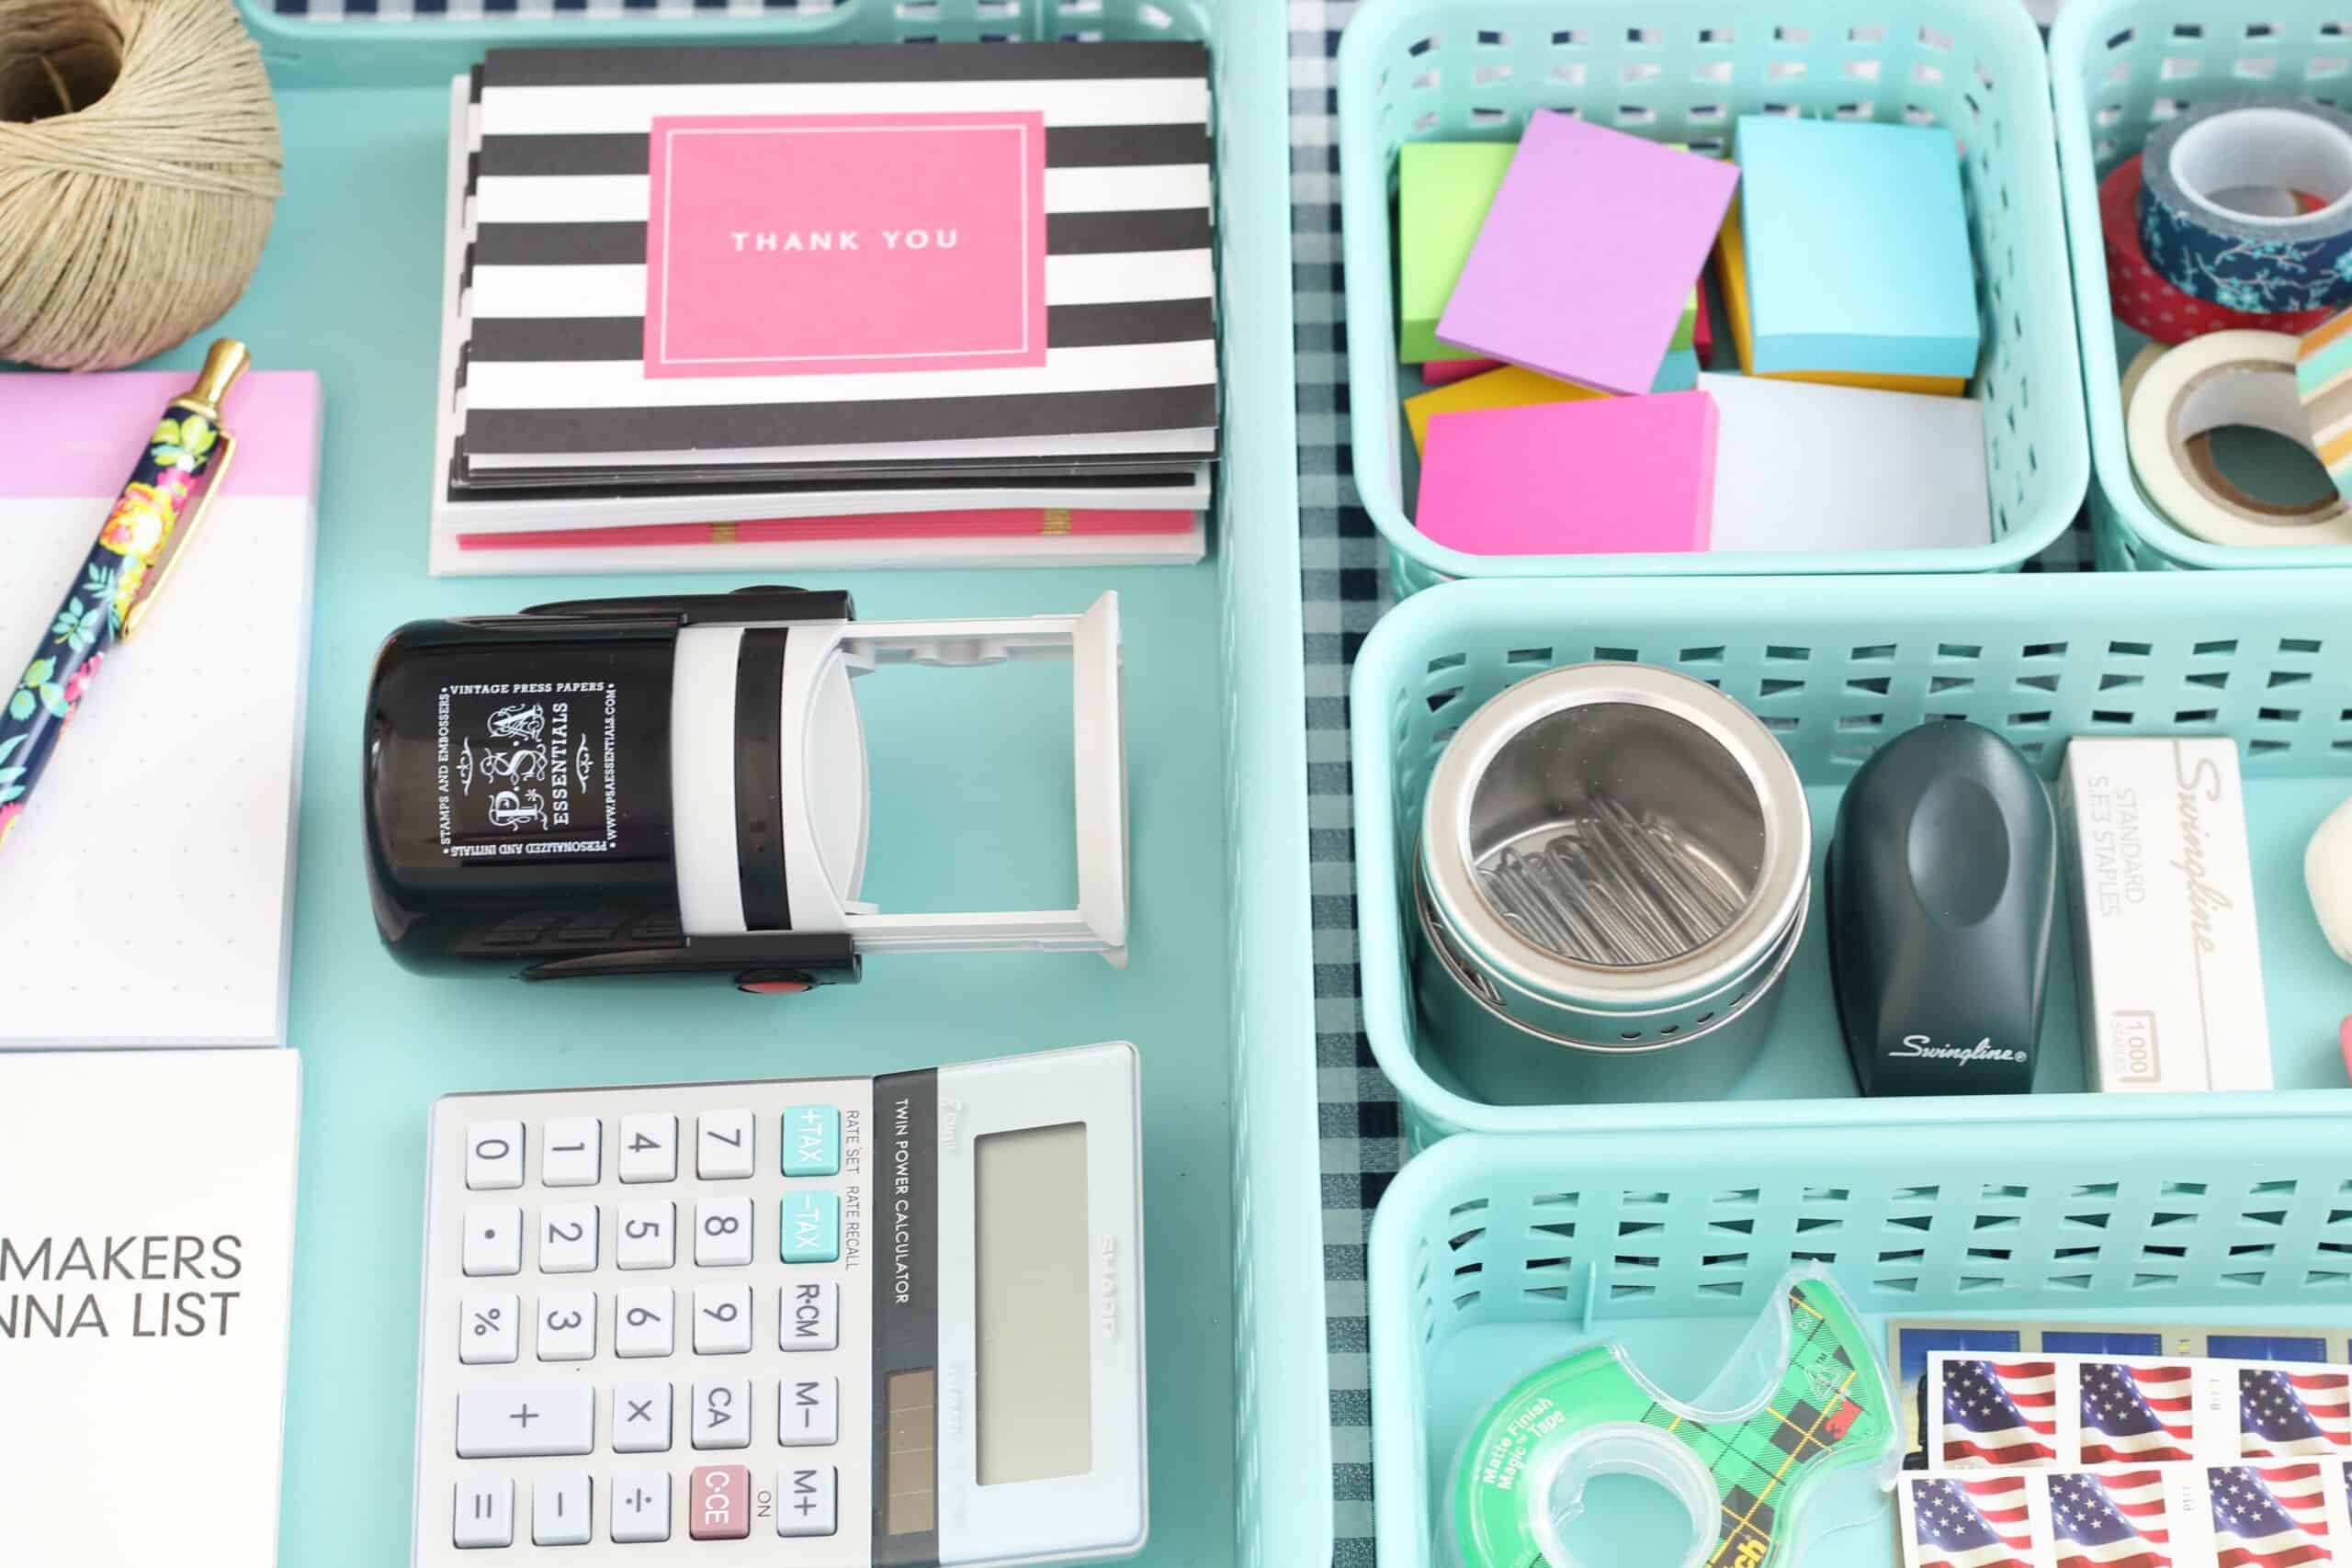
2166,952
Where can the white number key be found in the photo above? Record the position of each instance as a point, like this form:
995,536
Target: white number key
485,1512
808,1412
493,1156
649,1148
723,1142
807,1500
649,1236
642,1323
562,1510
522,1420
641,1418
493,1241
488,1332
723,1233
574,1154
640,1506
810,1316
567,1325
568,1238
723,1321
723,1414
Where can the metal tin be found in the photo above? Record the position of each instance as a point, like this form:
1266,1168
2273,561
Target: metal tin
1614,870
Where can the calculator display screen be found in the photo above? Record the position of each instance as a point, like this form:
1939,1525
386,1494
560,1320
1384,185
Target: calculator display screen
1033,1382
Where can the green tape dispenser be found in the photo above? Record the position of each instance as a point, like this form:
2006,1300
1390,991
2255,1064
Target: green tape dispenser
1814,1451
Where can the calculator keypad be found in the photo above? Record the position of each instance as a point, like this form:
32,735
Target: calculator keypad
619,1391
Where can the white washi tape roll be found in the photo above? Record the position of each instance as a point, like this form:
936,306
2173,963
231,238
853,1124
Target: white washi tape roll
2208,384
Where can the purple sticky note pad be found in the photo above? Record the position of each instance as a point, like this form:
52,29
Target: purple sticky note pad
1610,476
1588,254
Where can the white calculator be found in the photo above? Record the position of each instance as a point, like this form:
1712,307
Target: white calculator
888,1322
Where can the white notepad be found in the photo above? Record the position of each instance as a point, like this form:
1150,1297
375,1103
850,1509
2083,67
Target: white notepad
146,894
1800,467
149,1195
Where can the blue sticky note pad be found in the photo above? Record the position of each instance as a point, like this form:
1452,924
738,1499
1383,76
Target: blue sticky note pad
812,1229
812,1140
1857,245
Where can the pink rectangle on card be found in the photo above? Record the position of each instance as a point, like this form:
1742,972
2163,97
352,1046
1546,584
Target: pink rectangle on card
830,244
1611,475
1588,254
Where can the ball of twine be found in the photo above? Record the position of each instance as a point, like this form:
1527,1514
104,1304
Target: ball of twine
139,166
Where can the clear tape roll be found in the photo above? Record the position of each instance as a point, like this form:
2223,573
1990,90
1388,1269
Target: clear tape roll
2207,384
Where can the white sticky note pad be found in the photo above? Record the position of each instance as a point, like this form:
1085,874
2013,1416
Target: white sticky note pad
146,894
1802,466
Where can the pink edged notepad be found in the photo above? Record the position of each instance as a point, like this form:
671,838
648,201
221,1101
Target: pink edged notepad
1588,254
1611,475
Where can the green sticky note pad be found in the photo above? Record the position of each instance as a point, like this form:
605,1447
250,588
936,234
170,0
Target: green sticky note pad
1443,191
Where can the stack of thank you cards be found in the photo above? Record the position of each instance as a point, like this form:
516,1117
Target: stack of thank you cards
828,306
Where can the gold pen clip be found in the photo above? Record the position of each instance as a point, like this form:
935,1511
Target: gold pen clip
226,361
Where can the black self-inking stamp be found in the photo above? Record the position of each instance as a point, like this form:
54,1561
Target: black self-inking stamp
678,785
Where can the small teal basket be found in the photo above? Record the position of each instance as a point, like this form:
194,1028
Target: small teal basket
1492,1256
1684,71
1834,667
2117,69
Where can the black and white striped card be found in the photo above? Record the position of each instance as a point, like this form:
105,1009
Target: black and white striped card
815,259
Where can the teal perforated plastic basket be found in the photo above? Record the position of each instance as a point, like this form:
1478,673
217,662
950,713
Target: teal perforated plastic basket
2118,68
1684,71
1834,667
1493,1255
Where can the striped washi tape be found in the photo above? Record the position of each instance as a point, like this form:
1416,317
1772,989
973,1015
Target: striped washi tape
2323,381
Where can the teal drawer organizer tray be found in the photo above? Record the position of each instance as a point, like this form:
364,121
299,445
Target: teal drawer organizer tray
2117,68
1219,994
1684,71
1492,1256
1835,666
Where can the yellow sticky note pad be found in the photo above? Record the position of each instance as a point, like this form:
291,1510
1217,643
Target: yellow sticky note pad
1508,387
1730,271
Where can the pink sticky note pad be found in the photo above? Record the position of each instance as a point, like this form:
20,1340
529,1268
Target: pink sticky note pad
1612,476
1588,254
1444,372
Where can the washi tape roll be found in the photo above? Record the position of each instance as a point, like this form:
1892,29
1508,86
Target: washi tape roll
2324,380
2148,302
2228,378
2250,260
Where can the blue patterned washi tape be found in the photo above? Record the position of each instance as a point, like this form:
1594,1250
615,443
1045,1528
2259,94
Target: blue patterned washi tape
2235,259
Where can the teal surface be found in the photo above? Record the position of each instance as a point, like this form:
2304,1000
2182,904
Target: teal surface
1671,1247
1858,254
2116,66
971,806
1834,667
1682,71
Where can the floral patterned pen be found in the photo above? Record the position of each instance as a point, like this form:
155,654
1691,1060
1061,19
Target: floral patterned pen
119,581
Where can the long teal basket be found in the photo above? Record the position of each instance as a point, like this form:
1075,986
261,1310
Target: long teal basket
1684,71
2117,69
1280,1417
1491,1256
1834,667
